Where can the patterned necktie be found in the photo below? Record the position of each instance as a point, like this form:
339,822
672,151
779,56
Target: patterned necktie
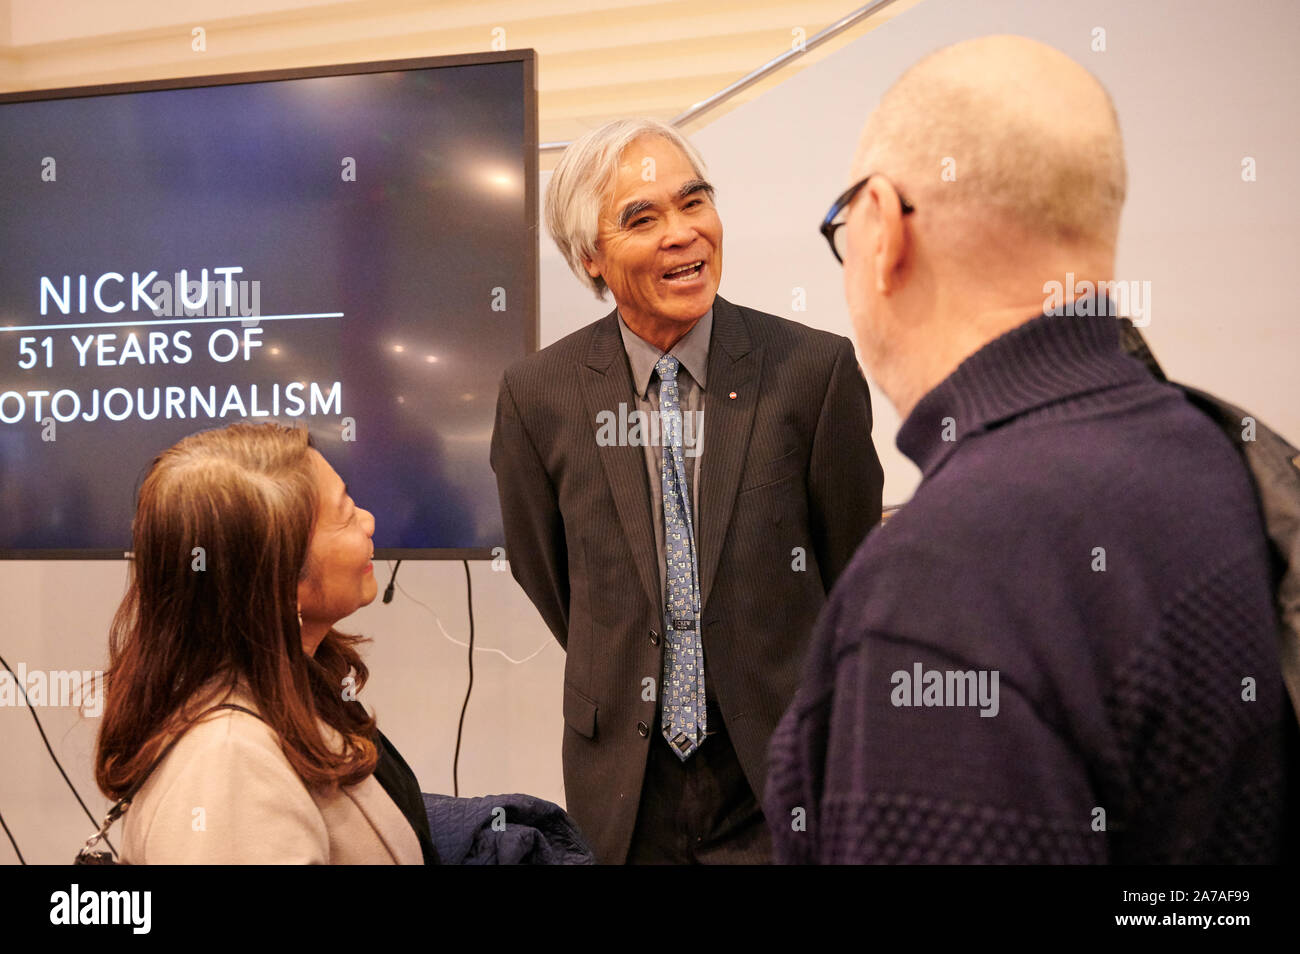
684,714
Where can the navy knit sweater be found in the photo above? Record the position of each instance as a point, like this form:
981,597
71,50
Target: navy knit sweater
1085,533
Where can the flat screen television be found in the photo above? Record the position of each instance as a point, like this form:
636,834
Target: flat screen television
349,248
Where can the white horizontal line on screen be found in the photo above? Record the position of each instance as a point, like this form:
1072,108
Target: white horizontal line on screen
173,321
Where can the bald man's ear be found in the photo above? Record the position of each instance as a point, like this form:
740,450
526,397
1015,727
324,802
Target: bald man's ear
889,254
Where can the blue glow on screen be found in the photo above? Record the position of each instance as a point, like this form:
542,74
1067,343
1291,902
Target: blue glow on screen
376,225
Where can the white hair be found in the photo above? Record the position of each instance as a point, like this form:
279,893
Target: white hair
585,173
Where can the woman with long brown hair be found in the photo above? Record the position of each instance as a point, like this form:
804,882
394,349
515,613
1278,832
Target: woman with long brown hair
248,549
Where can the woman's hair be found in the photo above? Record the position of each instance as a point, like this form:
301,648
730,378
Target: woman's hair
221,536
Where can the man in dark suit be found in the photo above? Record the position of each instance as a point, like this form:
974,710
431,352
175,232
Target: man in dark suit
682,576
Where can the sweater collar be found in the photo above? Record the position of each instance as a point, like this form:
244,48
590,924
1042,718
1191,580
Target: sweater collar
1043,361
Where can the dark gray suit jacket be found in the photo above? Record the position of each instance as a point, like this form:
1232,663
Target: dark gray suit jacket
788,463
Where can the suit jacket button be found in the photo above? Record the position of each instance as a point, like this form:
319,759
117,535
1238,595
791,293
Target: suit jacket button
654,638
642,729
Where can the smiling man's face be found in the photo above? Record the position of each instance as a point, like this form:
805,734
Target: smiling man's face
648,230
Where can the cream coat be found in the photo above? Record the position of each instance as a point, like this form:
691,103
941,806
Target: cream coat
226,794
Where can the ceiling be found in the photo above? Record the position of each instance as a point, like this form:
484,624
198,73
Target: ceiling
594,64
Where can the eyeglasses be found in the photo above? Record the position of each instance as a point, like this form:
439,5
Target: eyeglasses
831,228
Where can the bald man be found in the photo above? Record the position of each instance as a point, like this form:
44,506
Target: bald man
1062,649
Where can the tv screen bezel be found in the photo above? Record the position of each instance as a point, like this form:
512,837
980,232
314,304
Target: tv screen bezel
527,58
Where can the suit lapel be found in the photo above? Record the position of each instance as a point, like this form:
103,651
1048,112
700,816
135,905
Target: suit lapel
391,826
607,383
734,366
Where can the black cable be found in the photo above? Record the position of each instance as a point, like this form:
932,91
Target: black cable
392,582
455,763
57,764
21,859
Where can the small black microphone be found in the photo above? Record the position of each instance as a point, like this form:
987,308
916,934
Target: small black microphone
392,584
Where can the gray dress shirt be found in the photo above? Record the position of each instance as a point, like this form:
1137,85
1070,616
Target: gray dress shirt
693,353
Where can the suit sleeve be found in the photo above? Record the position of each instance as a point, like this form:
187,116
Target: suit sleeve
235,800
534,528
845,478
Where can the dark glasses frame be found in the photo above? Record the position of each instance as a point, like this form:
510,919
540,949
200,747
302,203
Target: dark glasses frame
830,226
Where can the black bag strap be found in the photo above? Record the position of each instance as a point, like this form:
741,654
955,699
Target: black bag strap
1132,341
1274,468
88,854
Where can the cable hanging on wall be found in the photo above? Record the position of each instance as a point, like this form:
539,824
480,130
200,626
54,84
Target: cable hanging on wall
57,764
